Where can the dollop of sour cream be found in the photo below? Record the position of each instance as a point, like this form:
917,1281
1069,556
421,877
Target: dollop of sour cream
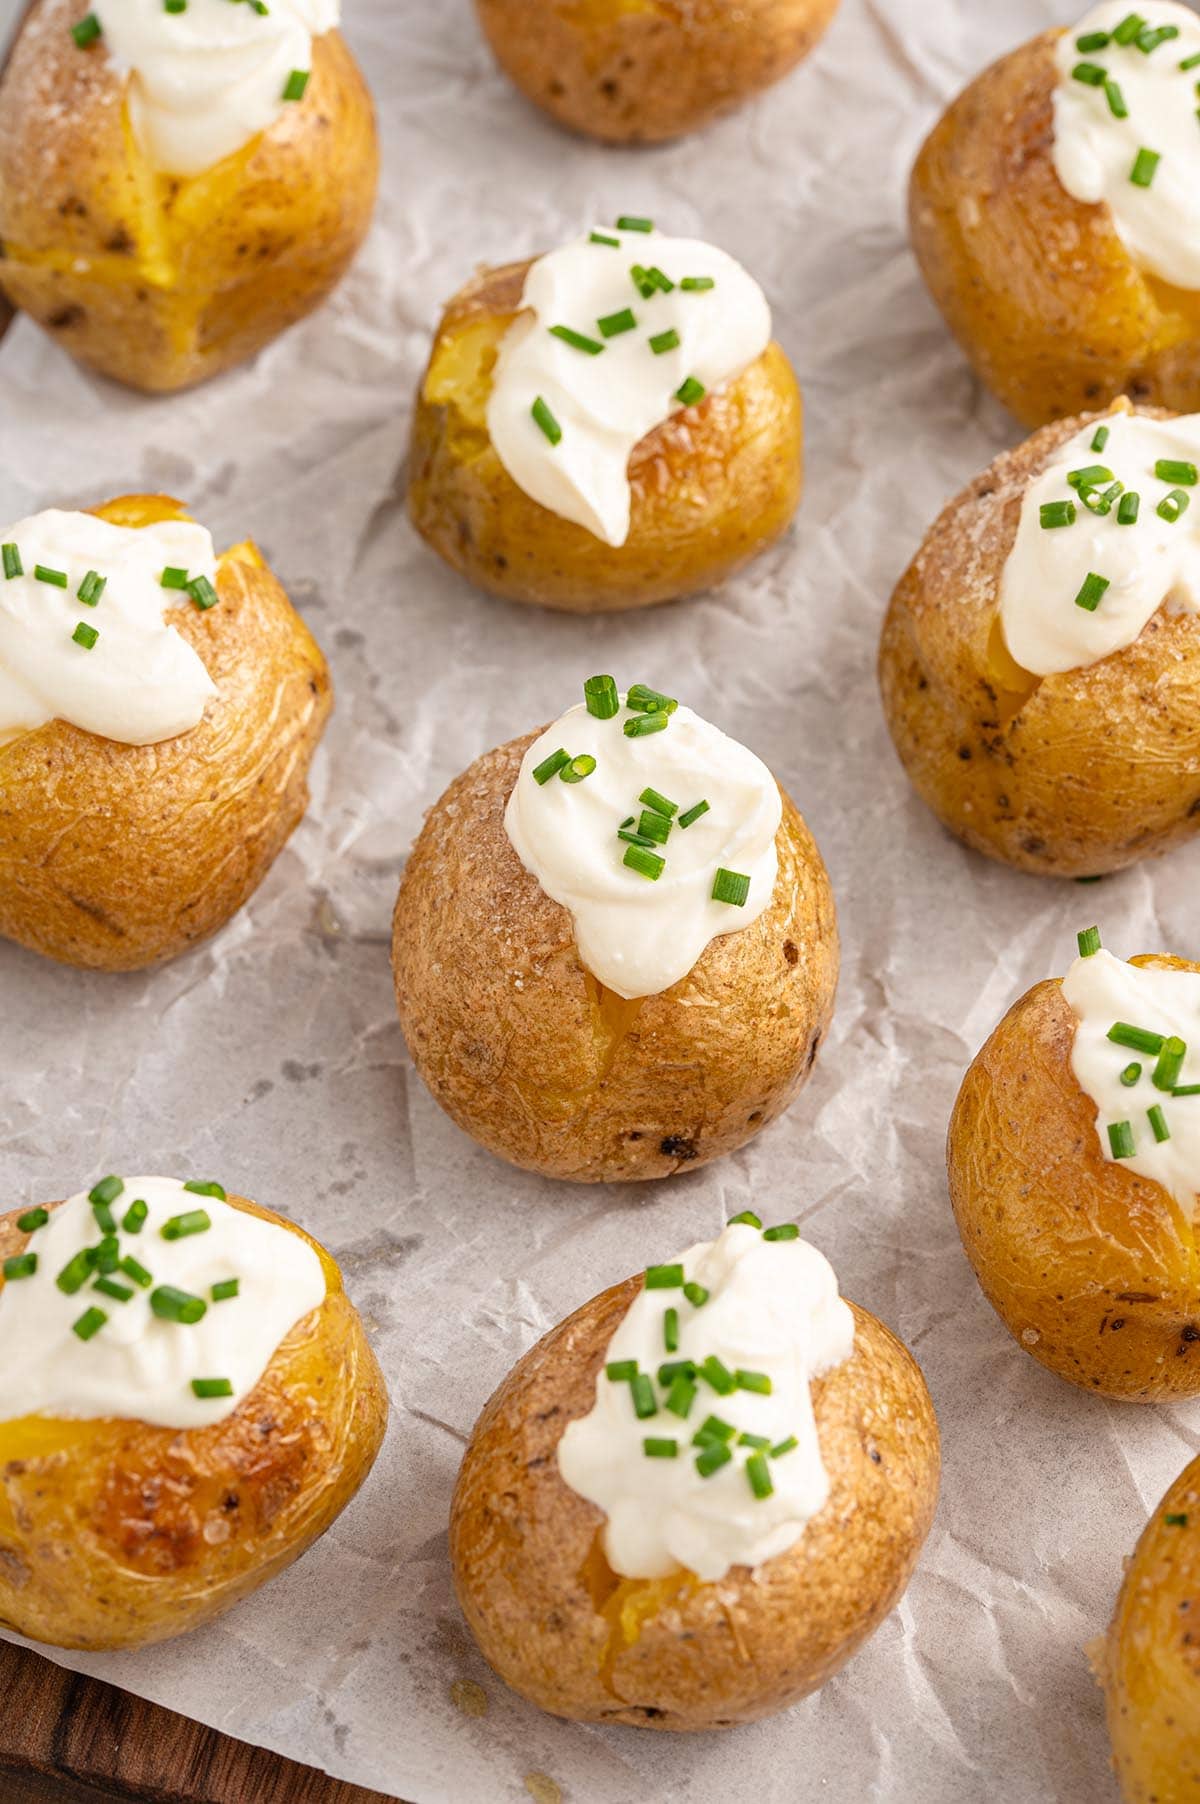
773,1314
702,325
137,1366
204,81
1102,992
138,681
1051,570
639,934
1129,136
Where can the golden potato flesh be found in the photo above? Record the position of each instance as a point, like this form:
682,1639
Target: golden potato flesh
163,280
1093,1269
640,71
712,486
565,1631
118,856
1150,1665
1038,288
118,1533
1070,775
540,1063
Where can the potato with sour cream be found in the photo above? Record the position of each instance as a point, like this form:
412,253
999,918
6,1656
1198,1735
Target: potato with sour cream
1074,1167
187,1400
606,427
693,1538
1040,659
615,946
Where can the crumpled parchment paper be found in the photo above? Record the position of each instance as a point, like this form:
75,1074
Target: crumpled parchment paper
272,1058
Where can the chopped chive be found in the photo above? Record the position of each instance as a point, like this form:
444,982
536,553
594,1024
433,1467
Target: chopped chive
1145,165
761,1443
758,1382
1149,38
620,1371
1128,29
85,635
173,578
1090,74
646,864
649,701
175,6
659,803
1186,1090
782,1447
665,341
671,1369
1174,504
193,1221
711,1458
660,1447
1131,1074
206,1187
634,839
1057,513
1158,1123
654,827
12,561
56,578
1092,40
1191,62
787,1230
671,1331
86,32
643,724
1120,1139
296,83
1088,942
629,222
697,284
576,769
228,1287
660,279
1117,104
613,324
693,814
20,1265
1127,508
134,1217
106,1221
32,1220
106,1191
546,421
601,697
681,1395
664,1277
730,886
718,1375
1176,1519
1166,1072
111,1288
76,1272
713,1428
577,340
641,1389
1099,438
759,1474
132,1269
91,588
1138,1039
690,391
173,1305
603,238
696,1295
1091,591
89,1323
1101,501
643,281
106,1257
212,1387
1169,469
1089,477
747,1219
550,767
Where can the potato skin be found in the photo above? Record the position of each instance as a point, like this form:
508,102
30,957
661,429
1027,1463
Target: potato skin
642,71
1071,775
533,1058
712,486
114,856
114,1534
1093,1269
547,1610
1038,288
1150,1667
162,281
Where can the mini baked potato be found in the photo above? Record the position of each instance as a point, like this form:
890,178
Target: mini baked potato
1070,775
565,1631
1148,1663
711,487
1092,1268
641,71
160,280
541,1063
1041,292
116,1533
118,856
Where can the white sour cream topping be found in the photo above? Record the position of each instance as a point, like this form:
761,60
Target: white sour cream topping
606,403
1102,990
140,682
1094,151
636,934
1152,562
773,1307
137,1367
203,82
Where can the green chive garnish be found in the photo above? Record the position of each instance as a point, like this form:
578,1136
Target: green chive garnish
660,1448
600,694
175,6
671,1331
294,86
628,222
546,420
549,767
643,281
1166,1072
56,578
634,839
654,827
1092,40
76,1272
718,1375
193,1221
681,1395
1088,942
203,595
782,1447
1131,1074
106,1257
1127,509
711,1458
20,1265
1169,469
761,1443
206,1187
173,578
1158,1123
1186,1090
620,1371
665,341
643,724
32,1220
1057,513
89,1323
613,324
576,769
111,1288
1176,1519
1090,477
228,1287
106,1191
212,1387
1090,74
603,238
787,1230
91,588
172,1305
1091,592
106,1221
1138,1039
12,561
649,701
759,1474
1128,29
1116,101
141,1277
85,33
697,284
1174,504
1099,438
690,391
758,1382
664,1277
642,1391
577,340
693,814
85,635
659,803
645,863
1120,1139
671,1369
1149,39
747,1219
730,886
1191,62
134,1217
713,1428
1101,501
696,1295
1145,165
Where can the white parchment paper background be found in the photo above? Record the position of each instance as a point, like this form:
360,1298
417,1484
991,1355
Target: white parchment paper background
272,1058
